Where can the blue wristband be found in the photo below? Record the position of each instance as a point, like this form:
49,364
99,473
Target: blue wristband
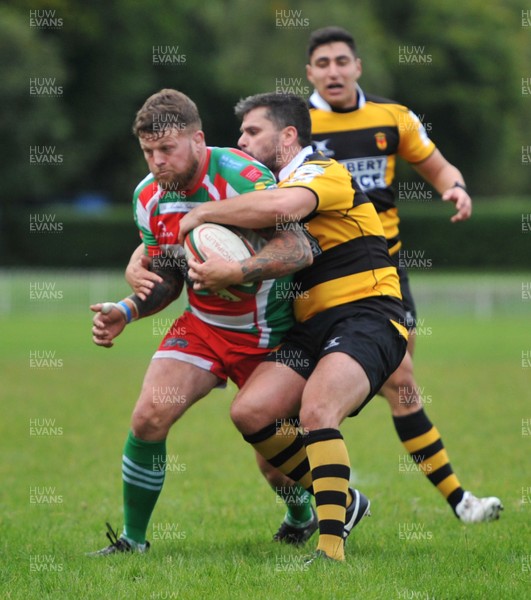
126,311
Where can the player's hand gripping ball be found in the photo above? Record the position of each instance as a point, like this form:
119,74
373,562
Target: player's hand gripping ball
230,244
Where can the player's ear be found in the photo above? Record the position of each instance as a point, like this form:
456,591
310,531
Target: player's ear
359,66
198,138
290,134
309,75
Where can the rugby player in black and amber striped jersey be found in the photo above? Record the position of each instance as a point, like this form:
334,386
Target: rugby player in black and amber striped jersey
367,134
350,334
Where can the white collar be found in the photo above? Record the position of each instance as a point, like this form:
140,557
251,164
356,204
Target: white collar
295,162
319,102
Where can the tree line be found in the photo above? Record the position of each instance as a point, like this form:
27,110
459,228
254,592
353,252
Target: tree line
74,74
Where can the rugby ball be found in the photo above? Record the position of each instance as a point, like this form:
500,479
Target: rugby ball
221,240
230,245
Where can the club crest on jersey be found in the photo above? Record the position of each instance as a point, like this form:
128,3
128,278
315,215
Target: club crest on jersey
381,140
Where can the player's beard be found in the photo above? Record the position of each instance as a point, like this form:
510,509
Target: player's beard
175,182
271,156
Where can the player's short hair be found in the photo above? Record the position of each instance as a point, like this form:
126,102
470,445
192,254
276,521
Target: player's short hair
167,109
283,110
328,35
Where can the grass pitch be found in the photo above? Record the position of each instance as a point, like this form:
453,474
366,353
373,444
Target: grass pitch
66,415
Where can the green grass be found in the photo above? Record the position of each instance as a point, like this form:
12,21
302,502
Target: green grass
477,391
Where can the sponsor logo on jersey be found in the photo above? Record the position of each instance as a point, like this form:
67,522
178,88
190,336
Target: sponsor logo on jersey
369,172
229,162
321,146
163,231
381,141
251,173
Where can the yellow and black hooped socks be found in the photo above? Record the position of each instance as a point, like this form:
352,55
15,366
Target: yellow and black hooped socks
423,442
282,445
330,468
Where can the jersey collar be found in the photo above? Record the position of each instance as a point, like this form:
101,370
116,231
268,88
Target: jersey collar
295,162
319,102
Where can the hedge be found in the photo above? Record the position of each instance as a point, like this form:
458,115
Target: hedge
498,237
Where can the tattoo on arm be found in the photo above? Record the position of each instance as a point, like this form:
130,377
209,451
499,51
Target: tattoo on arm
288,251
162,294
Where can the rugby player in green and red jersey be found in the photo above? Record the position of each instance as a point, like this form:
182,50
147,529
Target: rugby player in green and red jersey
215,338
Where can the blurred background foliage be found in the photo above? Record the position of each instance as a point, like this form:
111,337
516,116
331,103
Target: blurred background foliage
470,93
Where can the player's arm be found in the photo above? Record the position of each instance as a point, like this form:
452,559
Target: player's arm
112,317
254,210
444,176
138,274
286,252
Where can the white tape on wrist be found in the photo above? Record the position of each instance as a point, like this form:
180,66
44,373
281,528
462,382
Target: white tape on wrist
107,307
121,306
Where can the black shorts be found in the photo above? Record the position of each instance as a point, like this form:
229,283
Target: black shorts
407,296
368,336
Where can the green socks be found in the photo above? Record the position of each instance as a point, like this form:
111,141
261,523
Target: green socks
298,502
143,471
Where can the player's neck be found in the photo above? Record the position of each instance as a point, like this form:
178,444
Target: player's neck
288,157
350,103
200,172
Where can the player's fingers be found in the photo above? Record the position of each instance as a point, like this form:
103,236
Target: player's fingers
96,307
143,289
99,331
97,322
148,277
102,343
194,278
464,209
193,263
149,284
450,195
195,271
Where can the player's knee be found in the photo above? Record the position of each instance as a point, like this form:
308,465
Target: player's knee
318,415
242,415
147,423
402,392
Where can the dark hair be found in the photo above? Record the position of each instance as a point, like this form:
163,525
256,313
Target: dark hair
283,110
167,109
327,35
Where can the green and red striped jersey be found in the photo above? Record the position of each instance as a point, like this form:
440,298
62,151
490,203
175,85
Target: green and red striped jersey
228,172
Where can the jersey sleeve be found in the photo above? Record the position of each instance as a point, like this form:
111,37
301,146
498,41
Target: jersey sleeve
242,173
414,145
329,181
143,222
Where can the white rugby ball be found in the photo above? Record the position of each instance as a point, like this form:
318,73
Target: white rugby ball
218,239
229,244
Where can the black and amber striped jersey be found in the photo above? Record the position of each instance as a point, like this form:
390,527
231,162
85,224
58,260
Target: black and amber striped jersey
351,259
367,140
